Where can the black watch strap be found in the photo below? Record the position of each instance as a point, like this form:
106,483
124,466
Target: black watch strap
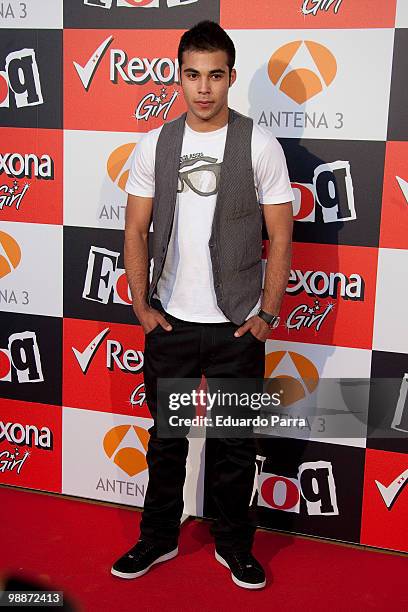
268,318
272,320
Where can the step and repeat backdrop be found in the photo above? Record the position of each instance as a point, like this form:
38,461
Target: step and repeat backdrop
80,82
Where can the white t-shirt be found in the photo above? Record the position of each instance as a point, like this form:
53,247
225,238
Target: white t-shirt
186,287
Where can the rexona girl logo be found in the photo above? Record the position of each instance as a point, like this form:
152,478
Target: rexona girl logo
302,84
312,7
131,459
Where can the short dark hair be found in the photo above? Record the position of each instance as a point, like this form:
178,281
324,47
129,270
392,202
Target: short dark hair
207,36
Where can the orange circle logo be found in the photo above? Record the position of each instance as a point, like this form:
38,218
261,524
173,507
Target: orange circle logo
118,164
301,84
294,388
130,459
10,254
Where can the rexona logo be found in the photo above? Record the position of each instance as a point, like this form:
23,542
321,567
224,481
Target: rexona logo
312,7
292,374
118,164
104,279
391,492
10,254
16,165
126,446
135,70
19,435
107,4
27,435
326,284
329,198
129,361
302,84
315,484
20,80
22,356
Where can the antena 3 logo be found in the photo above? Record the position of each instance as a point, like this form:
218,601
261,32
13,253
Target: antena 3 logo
296,375
135,70
10,254
22,356
302,71
301,84
131,459
20,80
107,4
118,164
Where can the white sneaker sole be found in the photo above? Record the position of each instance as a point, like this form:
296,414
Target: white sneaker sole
244,585
166,557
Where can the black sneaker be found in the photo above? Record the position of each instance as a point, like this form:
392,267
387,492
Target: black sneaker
246,572
139,559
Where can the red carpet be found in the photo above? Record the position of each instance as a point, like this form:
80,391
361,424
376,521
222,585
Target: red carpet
70,546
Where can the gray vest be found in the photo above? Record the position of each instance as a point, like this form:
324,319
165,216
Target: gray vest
236,238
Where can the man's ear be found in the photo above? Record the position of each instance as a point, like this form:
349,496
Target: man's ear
233,77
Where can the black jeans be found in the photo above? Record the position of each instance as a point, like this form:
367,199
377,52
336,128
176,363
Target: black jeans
188,351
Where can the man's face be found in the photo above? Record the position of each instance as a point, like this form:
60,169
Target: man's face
205,80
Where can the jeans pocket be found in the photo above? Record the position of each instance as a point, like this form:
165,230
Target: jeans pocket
152,330
255,338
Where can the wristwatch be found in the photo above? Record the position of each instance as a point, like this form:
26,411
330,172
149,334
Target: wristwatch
272,320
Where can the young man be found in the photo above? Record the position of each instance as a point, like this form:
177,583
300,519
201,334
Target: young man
205,179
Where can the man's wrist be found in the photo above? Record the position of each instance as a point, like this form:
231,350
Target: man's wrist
140,308
272,320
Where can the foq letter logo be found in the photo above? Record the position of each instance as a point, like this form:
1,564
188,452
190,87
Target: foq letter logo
20,80
302,84
22,356
107,4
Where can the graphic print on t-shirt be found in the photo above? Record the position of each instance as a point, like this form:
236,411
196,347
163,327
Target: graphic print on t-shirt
202,178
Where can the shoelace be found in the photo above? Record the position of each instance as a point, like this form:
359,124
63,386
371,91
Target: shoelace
140,549
244,560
